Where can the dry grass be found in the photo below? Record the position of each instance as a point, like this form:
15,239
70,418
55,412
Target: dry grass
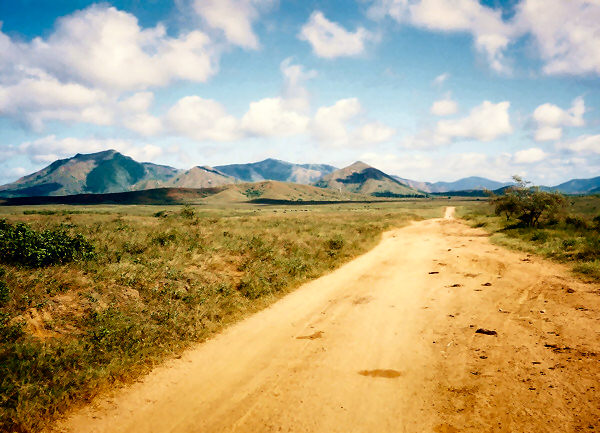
162,279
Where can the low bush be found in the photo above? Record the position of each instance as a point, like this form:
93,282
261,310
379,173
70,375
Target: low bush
22,245
576,221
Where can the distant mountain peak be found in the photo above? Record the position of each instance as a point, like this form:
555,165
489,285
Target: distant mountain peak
358,165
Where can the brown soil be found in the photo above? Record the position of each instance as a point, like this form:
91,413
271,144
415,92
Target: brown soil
385,346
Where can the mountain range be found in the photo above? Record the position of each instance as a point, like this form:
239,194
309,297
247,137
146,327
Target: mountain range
109,172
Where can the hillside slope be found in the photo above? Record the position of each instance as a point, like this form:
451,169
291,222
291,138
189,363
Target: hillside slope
96,173
363,179
274,169
200,177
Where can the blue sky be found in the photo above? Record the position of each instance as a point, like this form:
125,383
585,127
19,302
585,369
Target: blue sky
425,89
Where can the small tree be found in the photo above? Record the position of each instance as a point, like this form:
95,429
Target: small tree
527,203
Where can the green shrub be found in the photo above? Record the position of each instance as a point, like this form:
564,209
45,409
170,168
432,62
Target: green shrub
569,243
576,221
335,243
163,239
188,212
21,245
539,235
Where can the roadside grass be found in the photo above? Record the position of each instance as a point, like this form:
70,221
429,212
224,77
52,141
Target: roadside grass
161,278
572,238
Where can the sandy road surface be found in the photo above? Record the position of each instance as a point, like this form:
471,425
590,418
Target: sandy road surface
388,343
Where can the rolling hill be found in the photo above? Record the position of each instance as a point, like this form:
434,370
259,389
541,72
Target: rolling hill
274,169
95,173
472,183
363,179
259,192
200,177
579,186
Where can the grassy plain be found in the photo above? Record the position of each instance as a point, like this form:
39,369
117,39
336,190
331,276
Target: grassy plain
571,237
162,278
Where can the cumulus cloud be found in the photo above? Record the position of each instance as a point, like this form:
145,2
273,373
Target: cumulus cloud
444,107
329,124
565,32
486,122
233,17
202,119
271,117
583,144
342,124
106,48
328,39
491,34
550,119
529,156
39,97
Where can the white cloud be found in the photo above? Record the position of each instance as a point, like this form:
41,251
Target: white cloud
491,34
440,79
143,123
444,107
550,119
106,48
486,122
271,117
39,97
295,94
233,17
374,132
328,39
566,33
50,148
202,119
528,156
342,124
582,144
329,124
134,114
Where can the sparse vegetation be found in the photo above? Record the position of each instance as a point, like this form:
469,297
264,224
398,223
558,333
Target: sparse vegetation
161,279
566,230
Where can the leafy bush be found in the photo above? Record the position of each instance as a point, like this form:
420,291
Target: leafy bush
188,212
576,221
335,243
539,235
163,239
22,245
527,203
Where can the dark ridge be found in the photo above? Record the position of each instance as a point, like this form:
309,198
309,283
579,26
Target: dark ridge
45,188
390,194
159,196
366,174
272,201
210,170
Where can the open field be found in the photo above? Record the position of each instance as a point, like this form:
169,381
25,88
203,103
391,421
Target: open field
162,277
434,330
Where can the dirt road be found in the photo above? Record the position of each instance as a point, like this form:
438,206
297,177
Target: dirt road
390,343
